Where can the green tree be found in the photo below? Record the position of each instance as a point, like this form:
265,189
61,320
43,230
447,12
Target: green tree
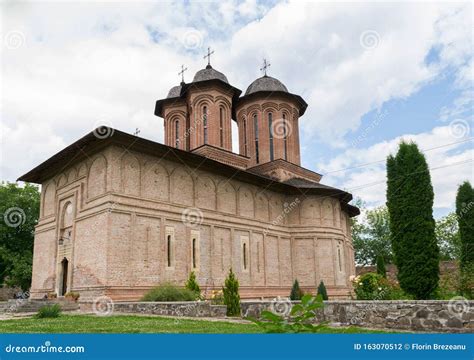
371,236
296,292
231,294
465,214
412,227
381,266
322,291
19,207
448,237
192,284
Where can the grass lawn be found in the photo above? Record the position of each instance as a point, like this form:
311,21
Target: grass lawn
139,324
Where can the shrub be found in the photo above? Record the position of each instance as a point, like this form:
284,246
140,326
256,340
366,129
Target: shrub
300,319
192,284
169,292
72,295
381,266
217,297
48,311
296,292
231,294
372,286
322,291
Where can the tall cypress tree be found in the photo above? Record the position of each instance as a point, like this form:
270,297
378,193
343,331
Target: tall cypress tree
412,227
465,215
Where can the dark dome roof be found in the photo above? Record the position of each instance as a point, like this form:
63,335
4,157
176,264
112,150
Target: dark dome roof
266,83
209,74
175,91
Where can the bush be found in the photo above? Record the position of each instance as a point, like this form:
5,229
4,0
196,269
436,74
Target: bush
231,294
381,266
300,319
322,291
296,292
192,284
169,292
48,311
372,286
72,295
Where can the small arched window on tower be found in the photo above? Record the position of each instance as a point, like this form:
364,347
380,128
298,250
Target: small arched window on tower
255,124
244,122
204,120
270,134
221,125
176,133
285,136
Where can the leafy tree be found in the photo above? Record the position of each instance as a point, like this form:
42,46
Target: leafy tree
412,227
381,266
192,284
19,209
465,213
296,292
231,294
448,237
371,236
322,291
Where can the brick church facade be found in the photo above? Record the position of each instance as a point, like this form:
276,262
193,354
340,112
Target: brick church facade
121,214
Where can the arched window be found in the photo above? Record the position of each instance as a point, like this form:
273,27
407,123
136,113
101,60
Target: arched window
245,136
285,136
168,246
176,133
221,125
270,134
244,255
255,125
194,253
204,120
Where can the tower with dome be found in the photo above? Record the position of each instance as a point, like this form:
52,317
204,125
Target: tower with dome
121,214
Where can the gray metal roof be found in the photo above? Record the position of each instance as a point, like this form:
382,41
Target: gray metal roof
209,74
175,91
266,83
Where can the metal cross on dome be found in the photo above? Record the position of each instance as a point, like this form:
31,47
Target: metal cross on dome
183,69
265,66
208,56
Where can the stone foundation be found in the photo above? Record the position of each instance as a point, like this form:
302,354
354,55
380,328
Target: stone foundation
429,316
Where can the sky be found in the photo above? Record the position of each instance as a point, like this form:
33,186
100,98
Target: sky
373,74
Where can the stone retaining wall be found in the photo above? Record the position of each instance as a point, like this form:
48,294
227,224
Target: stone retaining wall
430,316
191,309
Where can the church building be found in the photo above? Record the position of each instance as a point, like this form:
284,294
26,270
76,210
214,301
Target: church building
121,214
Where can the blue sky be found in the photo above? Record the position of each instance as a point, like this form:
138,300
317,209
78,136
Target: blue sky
372,74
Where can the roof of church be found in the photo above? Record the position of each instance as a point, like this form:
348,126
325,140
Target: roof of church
174,92
266,83
209,73
93,142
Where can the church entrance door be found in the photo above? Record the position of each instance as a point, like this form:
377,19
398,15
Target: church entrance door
64,269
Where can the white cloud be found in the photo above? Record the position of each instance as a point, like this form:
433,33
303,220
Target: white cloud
450,166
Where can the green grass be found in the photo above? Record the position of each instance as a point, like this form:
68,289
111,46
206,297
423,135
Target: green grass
139,324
